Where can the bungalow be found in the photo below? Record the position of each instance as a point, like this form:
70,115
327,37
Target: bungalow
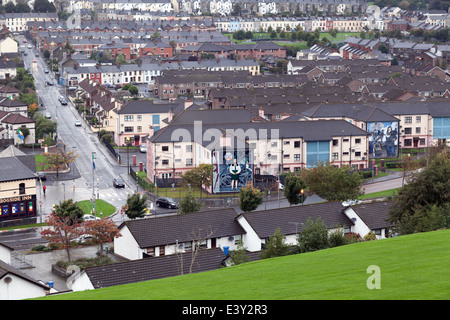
149,269
17,285
169,235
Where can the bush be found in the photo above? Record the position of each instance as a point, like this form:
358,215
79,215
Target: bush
337,238
314,236
370,236
39,248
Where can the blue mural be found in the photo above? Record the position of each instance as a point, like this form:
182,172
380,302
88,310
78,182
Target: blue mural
232,170
383,139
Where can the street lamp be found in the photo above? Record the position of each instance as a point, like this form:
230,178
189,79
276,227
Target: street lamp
302,195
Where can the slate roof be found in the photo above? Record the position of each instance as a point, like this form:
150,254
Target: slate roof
153,268
147,106
317,130
374,214
12,169
354,111
8,269
182,228
266,222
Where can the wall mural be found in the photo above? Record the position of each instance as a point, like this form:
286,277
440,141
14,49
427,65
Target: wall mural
232,170
383,139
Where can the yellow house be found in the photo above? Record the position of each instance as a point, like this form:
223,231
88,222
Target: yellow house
17,192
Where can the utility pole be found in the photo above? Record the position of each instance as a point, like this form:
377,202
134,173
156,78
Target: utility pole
93,182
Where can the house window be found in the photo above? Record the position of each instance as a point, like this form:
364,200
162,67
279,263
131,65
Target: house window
189,148
335,155
129,129
408,119
22,188
417,129
296,144
358,140
128,118
357,154
296,157
189,161
335,142
408,142
139,128
165,148
418,119
408,130
165,162
139,117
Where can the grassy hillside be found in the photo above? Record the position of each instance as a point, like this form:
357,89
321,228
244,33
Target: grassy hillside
412,267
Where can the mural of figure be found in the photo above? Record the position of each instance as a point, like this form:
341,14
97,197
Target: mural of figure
391,137
235,170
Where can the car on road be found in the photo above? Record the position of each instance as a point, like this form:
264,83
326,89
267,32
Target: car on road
90,217
41,176
29,46
77,123
46,70
63,102
166,203
37,55
49,82
143,148
48,115
118,183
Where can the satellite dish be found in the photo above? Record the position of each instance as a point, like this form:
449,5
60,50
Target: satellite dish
7,280
374,12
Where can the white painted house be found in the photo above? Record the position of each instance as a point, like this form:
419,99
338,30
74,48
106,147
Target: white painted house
177,234
16,285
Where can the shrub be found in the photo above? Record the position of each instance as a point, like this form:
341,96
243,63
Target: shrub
370,236
337,238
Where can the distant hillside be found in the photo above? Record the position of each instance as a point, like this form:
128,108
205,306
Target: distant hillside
411,267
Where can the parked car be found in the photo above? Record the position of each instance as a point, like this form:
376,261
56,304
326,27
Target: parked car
143,148
166,203
49,82
83,238
48,115
41,176
29,46
90,217
77,123
46,70
63,102
118,183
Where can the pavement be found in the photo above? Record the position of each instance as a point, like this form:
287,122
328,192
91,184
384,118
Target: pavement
42,264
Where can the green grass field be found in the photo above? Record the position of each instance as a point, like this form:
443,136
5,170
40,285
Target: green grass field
102,206
411,267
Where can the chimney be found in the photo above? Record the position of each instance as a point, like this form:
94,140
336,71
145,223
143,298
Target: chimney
261,112
170,118
151,131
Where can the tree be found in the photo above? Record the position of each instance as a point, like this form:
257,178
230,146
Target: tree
71,210
136,206
250,198
59,159
43,6
424,203
275,246
293,186
313,236
333,183
239,255
103,231
198,177
189,204
62,230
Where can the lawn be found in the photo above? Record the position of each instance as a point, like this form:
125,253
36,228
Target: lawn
41,162
102,206
411,267
379,194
